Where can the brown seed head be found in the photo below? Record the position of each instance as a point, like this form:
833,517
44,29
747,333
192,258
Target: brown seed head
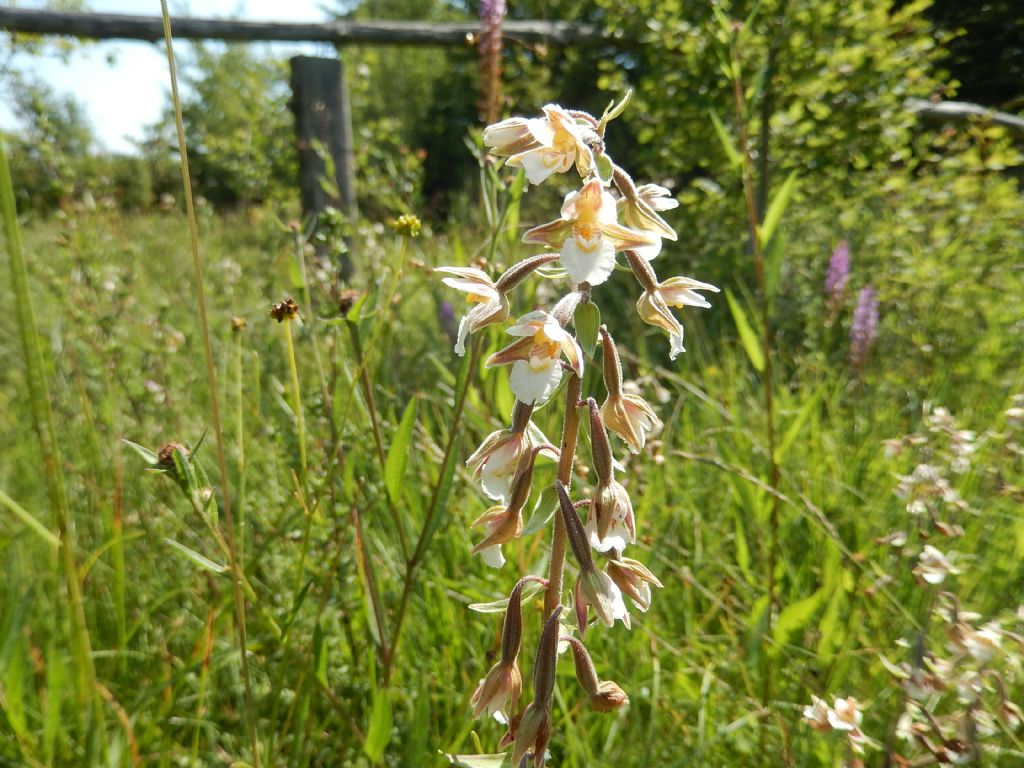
237,324
285,309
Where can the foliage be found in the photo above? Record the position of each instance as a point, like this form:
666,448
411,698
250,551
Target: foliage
240,138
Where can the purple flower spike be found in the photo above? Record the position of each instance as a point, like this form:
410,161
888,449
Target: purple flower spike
838,271
864,328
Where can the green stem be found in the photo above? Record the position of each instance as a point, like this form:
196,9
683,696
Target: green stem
46,433
211,374
300,420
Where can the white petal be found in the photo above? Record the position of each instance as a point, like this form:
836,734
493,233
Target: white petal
492,556
594,266
542,130
649,252
608,213
460,343
472,285
532,384
496,476
541,162
676,342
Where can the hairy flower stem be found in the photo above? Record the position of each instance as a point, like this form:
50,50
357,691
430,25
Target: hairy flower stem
211,374
567,452
757,249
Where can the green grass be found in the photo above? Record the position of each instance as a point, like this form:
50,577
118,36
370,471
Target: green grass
322,547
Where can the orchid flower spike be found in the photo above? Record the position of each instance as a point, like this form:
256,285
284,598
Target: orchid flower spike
656,299
588,235
536,357
628,416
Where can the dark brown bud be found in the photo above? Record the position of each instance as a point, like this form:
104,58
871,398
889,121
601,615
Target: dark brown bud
546,661
512,628
521,415
515,274
599,445
612,366
283,310
643,271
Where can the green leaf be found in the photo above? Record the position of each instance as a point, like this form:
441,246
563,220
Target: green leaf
542,512
794,617
777,207
587,321
379,733
148,456
731,153
749,339
398,453
529,592
773,258
794,429
203,562
503,760
29,520
444,488
613,111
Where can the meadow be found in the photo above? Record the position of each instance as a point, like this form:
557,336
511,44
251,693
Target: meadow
832,506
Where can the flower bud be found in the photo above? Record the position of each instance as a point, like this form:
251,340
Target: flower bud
609,697
532,732
600,449
547,659
605,696
628,416
574,529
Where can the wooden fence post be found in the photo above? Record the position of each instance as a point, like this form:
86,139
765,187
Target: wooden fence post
322,116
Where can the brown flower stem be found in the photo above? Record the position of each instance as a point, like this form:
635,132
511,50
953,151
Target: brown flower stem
570,434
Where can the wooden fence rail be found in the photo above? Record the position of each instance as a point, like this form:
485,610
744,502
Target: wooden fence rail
114,26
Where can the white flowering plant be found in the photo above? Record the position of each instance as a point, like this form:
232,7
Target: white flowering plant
606,221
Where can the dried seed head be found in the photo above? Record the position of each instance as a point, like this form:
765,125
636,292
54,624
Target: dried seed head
286,309
165,456
346,300
237,324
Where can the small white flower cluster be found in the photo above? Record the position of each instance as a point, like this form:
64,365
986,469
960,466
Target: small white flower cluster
956,697
605,216
844,716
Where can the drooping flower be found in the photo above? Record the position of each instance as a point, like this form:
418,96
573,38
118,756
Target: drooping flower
605,695
494,462
558,144
505,523
488,295
653,305
610,521
536,358
588,235
491,304
499,691
627,415
639,208
816,714
632,578
534,727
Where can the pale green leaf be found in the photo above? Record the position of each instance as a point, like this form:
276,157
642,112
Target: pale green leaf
749,339
203,562
777,207
731,152
398,453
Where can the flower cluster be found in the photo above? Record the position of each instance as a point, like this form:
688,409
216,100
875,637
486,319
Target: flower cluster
603,217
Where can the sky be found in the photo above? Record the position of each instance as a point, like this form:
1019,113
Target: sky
123,85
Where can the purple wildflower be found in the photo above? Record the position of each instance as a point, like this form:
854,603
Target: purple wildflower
864,327
838,271
492,12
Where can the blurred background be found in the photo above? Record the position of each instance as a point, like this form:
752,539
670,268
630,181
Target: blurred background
881,141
